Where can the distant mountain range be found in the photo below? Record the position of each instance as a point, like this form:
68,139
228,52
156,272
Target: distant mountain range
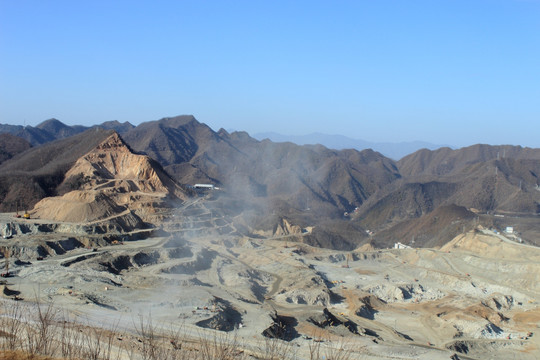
349,197
53,129
339,142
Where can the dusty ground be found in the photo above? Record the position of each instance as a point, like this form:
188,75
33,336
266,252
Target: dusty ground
477,295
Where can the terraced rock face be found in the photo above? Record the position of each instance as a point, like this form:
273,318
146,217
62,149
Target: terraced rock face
111,184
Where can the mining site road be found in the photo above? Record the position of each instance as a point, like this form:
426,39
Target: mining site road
507,240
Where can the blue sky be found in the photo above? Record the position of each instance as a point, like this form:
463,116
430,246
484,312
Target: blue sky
448,72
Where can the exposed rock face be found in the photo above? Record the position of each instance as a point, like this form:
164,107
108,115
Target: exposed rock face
368,306
110,183
112,164
284,227
403,292
37,172
307,290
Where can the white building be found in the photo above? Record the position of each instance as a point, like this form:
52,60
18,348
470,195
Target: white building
399,245
204,186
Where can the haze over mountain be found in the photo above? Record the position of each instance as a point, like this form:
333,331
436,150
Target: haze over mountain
284,187
301,182
339,142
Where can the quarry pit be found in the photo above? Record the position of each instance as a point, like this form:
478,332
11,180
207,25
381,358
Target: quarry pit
197,273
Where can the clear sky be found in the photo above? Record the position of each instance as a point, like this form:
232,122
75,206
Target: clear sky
454,72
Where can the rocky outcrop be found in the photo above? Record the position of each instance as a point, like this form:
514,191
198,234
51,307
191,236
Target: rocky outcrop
284,227
305,290
112,165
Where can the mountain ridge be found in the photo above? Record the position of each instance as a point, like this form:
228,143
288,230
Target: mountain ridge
340,194
53,129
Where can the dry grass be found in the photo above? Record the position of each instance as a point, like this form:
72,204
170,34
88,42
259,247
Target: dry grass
43,332
21,355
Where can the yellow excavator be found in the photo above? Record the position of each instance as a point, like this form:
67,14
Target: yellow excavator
26,214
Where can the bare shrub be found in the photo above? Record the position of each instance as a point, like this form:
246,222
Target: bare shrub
11,325
71,340
147,337
314,350
276,349
338,352
99,344
334,351
156,345
40,331
220,346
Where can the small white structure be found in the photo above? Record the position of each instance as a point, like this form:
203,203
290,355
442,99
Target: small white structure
509,230
399,245
204,186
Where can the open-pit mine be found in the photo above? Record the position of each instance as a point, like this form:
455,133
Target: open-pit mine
478,294
145,268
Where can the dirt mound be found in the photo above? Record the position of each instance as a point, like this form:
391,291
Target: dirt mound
77,206
490,246
487,313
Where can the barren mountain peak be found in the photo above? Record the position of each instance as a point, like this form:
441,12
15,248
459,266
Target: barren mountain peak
112,143
108,182
49,122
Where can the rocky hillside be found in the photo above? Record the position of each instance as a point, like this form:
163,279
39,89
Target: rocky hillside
36,173
434,229
445,161
111,184
302,176
11,145
486,179
310,183
346,197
